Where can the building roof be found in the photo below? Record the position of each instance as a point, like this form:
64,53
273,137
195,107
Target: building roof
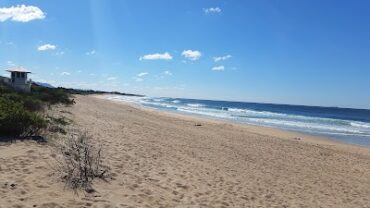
18,70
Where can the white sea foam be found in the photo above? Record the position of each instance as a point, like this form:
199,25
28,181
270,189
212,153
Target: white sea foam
131,99
205,112
345,134
158,99
256,113
163,105
281,116
360,124
297,122
326,126
195,105
305,125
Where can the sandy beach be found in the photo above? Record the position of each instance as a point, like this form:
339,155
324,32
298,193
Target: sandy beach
161,159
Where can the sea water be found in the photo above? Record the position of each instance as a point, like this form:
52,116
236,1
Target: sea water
344,124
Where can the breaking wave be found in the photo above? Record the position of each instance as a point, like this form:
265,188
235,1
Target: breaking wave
332,122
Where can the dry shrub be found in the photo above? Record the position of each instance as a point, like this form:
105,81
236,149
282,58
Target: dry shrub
79,162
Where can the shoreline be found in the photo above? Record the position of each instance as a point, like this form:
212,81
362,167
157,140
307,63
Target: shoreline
267,131
160,159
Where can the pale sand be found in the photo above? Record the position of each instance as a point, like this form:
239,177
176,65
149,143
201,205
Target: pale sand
163,160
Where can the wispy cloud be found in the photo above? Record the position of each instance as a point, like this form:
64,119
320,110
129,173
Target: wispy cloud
192,55
218,68
140,77
142,74
164,74
157,56
65,74
59,53
10,64
21,13
211,10
111,78
90,53
221,58
167,73
46,47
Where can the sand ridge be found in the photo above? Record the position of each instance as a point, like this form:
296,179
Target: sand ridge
162,160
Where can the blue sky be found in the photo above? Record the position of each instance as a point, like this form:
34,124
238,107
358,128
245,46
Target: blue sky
296,52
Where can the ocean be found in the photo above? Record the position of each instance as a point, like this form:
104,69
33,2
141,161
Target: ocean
343,124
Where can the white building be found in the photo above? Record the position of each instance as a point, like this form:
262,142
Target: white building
18,79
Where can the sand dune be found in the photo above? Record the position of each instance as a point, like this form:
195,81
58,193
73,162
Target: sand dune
162,160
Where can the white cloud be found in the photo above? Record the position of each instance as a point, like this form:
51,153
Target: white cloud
10,64
60,53
111,78
212,10
192,55
221,58
140,77
90,53
167,73
21,13
157,56
65,74
218,68
46,47
142,74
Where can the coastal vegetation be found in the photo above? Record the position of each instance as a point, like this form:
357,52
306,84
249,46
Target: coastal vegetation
79,162
22,114
29,115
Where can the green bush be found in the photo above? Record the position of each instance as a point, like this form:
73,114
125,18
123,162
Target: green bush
29,102
32,104
52,95
18,110
16,121
4,88
14,96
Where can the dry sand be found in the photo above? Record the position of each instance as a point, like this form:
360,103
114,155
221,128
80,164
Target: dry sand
164,160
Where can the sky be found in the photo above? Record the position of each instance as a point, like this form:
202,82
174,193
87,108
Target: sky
308,52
